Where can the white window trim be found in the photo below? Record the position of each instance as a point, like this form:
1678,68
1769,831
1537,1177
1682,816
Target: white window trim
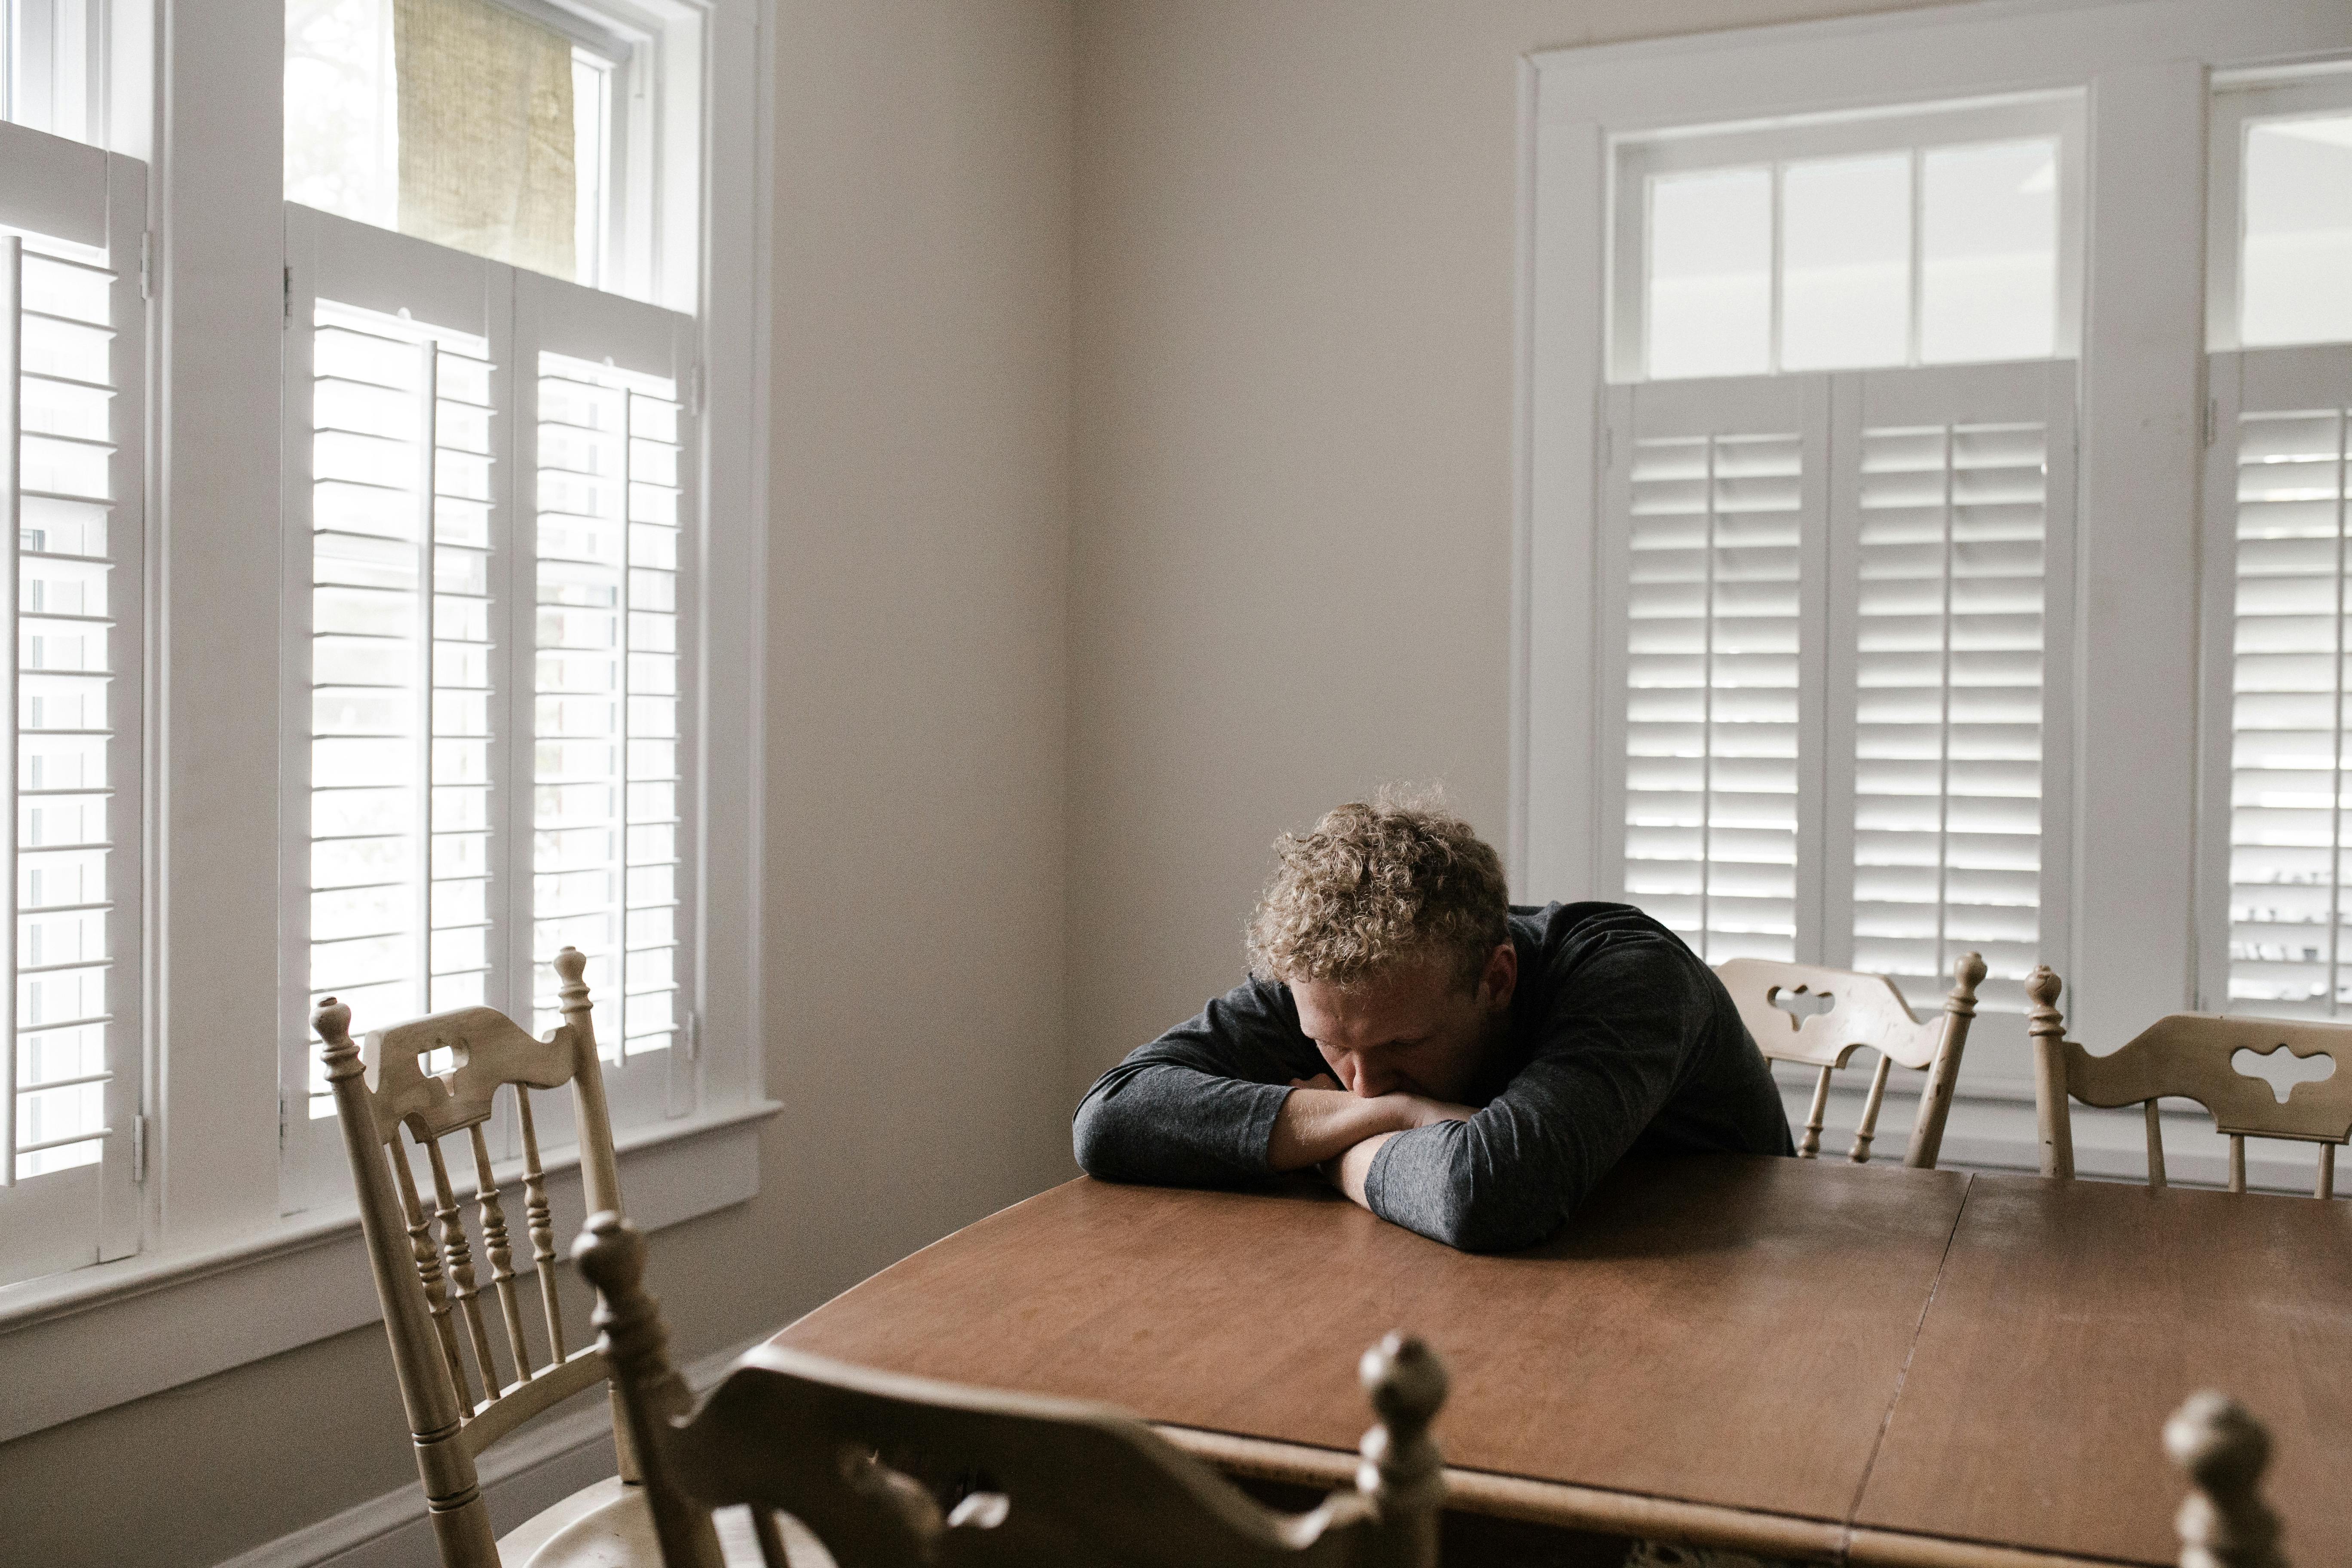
214,1247
2131,956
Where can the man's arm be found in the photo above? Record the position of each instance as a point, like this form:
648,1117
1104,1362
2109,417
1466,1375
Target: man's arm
1236,1093
1510,1174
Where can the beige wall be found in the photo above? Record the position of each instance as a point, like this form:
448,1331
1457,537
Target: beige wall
1290,552
916,773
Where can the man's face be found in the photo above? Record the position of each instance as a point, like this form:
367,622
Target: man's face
1414,1028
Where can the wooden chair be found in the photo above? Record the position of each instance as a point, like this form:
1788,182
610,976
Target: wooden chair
2223,1523
1803,1012
2188,1055
889,1471
461,1398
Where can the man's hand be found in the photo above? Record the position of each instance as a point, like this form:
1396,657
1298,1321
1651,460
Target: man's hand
1320,1121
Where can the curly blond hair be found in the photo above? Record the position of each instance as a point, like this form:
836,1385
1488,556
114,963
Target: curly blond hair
1397,878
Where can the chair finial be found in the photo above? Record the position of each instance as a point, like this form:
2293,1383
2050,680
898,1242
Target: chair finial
1970,971
2223,1523
333,1023
1403,1473
2042,986
571,963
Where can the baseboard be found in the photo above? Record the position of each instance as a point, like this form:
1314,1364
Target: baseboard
533,1469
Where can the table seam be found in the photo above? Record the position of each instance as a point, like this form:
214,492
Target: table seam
1854,1512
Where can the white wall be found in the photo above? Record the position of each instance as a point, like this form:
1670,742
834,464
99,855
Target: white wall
918,496
1290,557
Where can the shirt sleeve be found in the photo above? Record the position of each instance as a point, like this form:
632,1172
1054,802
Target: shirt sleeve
1605,1062
1196,1107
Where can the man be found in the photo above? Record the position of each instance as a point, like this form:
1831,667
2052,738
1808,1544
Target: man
1458,1066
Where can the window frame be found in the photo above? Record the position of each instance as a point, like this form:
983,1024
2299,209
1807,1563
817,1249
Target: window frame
214,1245
2143,67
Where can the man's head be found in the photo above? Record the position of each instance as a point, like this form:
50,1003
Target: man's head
1390,924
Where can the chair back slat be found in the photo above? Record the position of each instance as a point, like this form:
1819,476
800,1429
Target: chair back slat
501,1256
2190,1055
436,1305
1819,1016
539,1220
457,1262
428,1270
891,1471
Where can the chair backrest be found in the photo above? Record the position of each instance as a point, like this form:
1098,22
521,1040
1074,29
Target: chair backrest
2223,1523
460,1396
1805,1013
891,1471
2189,1055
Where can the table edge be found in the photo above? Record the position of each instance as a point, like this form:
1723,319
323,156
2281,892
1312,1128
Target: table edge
1566,1506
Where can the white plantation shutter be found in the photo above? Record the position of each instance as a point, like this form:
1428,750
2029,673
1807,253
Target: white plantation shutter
1953,515
486,752
1832,596
607,855
612,554
2276,503
1719,489
72,354
400,668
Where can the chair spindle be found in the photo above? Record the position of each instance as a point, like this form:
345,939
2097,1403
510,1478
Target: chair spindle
458,1256
1867,1128
428,1269
2326,1185
2237,1162
771,1538
1810,1146
501,1257
2155,1145
2223,1523
537,1215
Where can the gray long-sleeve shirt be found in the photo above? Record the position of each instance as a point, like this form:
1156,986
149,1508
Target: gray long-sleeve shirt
1620,1040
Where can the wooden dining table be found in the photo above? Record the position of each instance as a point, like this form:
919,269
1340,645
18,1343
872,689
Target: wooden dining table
1797,1358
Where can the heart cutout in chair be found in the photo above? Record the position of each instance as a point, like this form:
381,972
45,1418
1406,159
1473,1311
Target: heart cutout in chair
1800,1003
2282,1069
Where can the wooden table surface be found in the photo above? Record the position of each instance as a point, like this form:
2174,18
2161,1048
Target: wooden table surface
2073,1317
1800,1357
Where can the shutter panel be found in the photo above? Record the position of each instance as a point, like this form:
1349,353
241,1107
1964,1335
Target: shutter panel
401,660
1945,525
1719,489
2284,490
72,360
607,860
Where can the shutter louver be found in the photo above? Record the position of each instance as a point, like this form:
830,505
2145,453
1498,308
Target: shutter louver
605,857
1712,652
401,658
2288,680
1948,704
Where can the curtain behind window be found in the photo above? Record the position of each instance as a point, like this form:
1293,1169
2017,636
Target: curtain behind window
486,134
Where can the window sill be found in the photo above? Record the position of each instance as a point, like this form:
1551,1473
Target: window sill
81,1342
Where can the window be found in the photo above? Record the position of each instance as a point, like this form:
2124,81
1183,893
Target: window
1919,238
399,115
490,761
72,328
2276,492
1836,582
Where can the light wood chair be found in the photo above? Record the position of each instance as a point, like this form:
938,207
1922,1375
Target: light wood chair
467,1380
1028,1480
1805,1013
2223,1521
2188,1055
